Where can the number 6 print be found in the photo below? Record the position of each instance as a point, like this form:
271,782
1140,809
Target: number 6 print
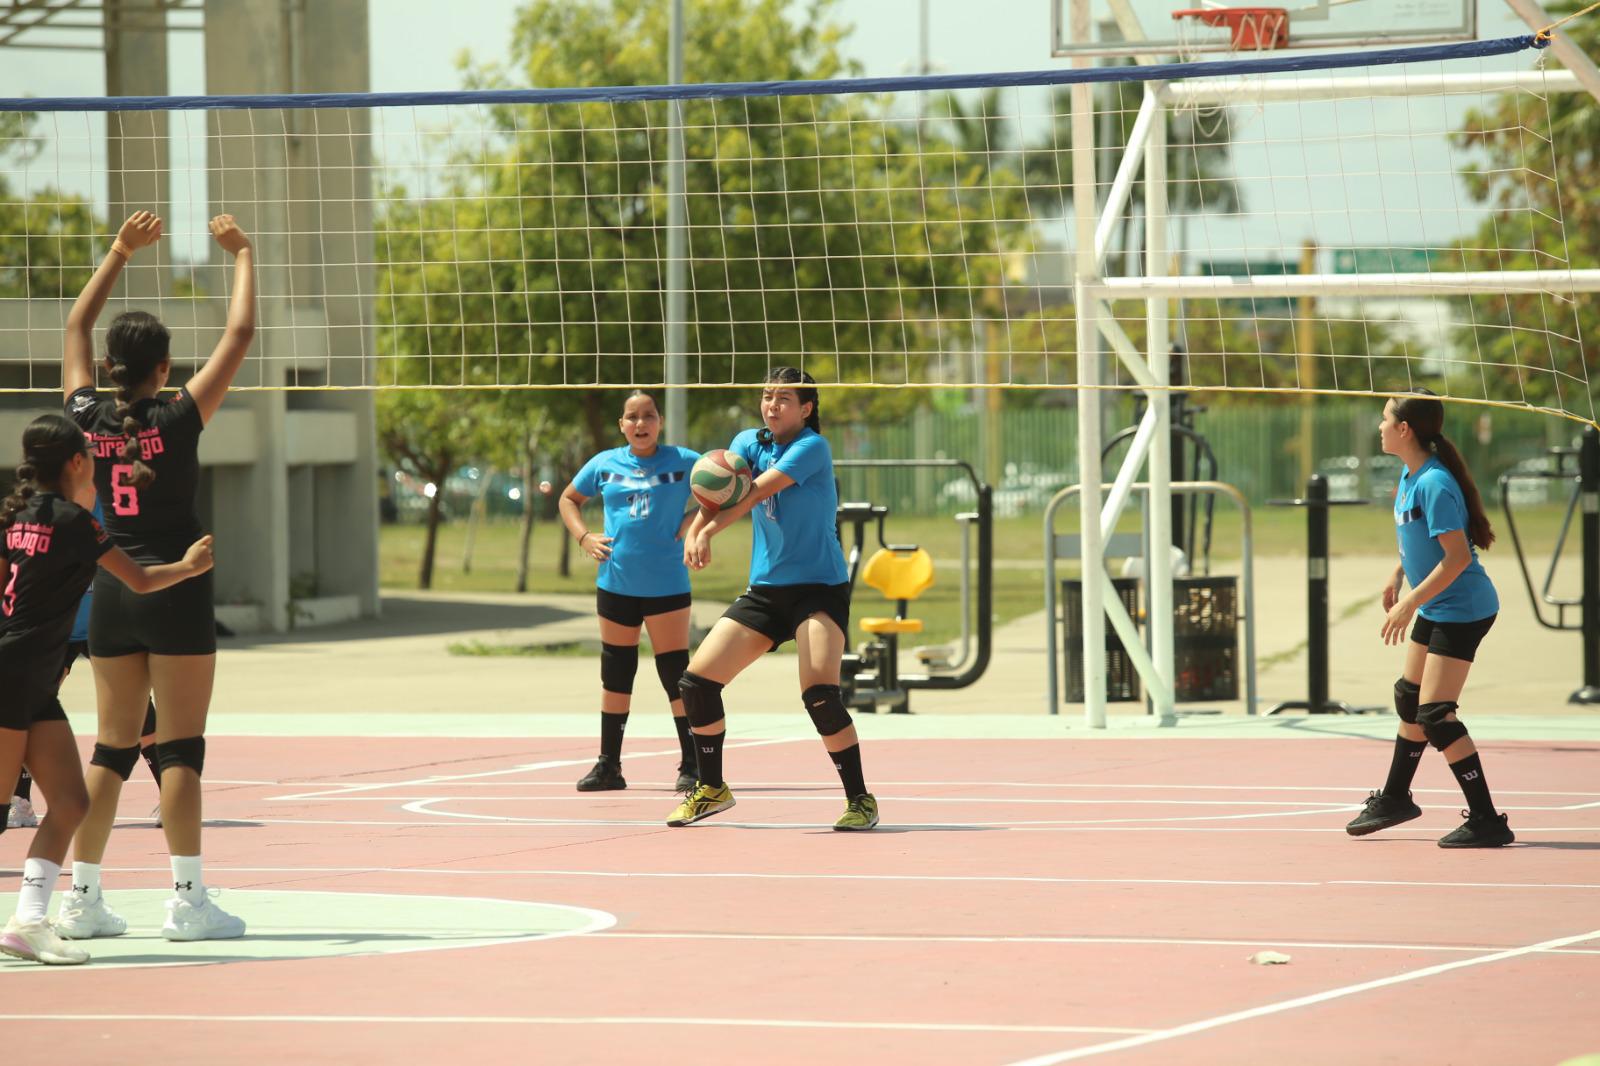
124,494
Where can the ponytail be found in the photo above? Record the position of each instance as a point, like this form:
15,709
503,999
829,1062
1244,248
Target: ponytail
1424,413
1479,532
48,445
136,344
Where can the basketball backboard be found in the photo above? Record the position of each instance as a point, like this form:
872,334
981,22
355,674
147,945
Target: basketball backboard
1146,27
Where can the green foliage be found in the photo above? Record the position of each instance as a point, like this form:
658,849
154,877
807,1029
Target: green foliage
46,238
1532,166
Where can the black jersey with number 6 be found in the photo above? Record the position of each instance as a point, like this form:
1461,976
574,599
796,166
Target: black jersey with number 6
53,548
157,522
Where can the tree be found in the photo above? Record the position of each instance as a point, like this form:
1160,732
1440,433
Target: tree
46,236
1531,166
823,230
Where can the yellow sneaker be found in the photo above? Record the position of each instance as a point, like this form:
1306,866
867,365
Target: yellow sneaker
860,813
703,802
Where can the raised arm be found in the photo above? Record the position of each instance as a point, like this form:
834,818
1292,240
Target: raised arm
210,385
77,350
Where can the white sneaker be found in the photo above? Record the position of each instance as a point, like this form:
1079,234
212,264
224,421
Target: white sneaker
21,815
80,918
36,941
202,921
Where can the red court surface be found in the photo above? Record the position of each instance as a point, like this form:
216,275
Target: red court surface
1025,901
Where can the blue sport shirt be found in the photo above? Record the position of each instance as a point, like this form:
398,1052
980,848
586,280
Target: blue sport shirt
1427,504
796,539
645,498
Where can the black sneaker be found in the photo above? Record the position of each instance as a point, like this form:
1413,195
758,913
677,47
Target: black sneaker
688,777
1479,831
605,777
1381,812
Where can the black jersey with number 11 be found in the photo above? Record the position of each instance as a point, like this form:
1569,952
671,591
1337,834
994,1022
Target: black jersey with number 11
156,522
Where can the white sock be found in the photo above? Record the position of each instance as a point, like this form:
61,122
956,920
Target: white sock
186,879
38,881
86,879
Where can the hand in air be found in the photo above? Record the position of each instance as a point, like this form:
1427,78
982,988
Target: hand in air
199,555
141,230
1398,618
598,547
226,232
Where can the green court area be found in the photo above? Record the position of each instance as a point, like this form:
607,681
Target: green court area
1018,549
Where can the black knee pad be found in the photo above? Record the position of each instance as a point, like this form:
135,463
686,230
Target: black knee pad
618,664
825,705
1440,731
670,666
119,761
1405,700
185,751
702,700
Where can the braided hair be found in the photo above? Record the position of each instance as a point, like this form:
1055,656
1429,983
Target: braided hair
1424,413
136,344
48,445
805,391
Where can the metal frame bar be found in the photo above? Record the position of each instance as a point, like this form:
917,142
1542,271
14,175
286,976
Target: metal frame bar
1434,283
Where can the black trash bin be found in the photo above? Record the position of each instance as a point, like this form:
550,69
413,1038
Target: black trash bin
1122,680
1205,635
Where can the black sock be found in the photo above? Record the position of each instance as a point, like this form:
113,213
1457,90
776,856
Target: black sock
24,789
611,728
685,743
1469,775
708,757
149,754
1407,757
848,763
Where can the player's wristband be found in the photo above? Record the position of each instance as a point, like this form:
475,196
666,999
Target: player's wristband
586,535
122,249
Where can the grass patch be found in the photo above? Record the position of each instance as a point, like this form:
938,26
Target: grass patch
574,649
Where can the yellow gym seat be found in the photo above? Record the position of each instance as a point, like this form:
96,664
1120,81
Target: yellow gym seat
901,574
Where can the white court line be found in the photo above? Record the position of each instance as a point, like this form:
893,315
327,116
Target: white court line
470,1019
430,871
343,790
1280,1007
818,783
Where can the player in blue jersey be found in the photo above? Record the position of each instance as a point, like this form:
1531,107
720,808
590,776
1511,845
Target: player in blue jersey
1440,522
22,814
799,590
641,578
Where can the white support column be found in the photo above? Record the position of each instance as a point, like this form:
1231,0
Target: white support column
1085,272
1158,500
1127,171
136,141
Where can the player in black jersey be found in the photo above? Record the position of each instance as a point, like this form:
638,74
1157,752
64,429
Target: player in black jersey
53,547
147,476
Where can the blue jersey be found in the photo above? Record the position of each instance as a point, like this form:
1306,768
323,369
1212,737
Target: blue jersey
645,499
1427,504
80,623
796,538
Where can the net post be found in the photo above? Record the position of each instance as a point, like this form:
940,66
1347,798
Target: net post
676,333
1086,307
1158,500
1589,495
1317,588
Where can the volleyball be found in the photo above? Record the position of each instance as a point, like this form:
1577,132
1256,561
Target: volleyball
719,479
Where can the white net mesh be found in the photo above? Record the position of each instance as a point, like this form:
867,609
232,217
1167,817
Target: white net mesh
874,238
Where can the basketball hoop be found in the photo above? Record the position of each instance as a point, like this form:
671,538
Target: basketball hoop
1257,29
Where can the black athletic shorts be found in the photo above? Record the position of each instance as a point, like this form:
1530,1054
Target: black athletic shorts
29,677
1453,640
633,610
776,611
180,620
